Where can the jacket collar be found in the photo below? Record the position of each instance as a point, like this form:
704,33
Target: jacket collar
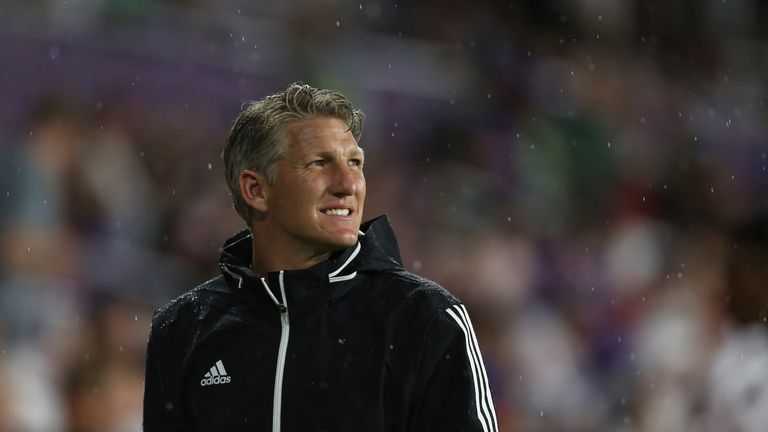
375,250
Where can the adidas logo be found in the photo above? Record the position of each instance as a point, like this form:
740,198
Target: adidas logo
217,375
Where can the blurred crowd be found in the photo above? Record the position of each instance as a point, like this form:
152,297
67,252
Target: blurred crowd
588,176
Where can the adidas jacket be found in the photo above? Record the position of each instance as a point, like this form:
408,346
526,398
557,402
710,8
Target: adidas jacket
355,343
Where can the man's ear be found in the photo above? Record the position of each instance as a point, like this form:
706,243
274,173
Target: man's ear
254,189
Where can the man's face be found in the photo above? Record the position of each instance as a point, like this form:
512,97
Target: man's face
316,202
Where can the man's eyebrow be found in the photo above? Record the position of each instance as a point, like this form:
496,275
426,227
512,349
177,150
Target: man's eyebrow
329,153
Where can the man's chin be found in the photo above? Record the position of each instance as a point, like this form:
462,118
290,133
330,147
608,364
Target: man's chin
342,241
346,242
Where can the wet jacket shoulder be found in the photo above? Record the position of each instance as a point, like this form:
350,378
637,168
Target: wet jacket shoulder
354,343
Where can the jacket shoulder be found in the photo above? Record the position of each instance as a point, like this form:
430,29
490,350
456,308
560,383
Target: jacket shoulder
415,284
416,291
193,305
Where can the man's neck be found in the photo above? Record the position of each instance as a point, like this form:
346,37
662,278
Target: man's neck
269,256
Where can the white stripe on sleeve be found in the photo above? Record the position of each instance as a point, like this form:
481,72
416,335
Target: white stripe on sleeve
488,398
485,410
470,355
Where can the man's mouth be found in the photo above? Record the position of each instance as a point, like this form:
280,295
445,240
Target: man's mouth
337,212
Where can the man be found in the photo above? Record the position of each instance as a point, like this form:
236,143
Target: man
314,324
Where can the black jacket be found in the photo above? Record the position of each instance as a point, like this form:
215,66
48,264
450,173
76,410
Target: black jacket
354,343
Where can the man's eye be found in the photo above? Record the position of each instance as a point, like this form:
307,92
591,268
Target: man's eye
356,162
317,163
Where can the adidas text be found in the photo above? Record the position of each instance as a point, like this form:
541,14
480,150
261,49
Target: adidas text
215,380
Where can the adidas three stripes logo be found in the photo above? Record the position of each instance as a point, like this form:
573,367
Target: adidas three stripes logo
216,375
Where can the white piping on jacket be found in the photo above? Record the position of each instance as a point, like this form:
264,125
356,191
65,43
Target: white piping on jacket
266,288
346,263
234,275
281,353
342,278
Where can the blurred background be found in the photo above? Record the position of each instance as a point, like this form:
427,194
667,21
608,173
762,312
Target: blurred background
588,176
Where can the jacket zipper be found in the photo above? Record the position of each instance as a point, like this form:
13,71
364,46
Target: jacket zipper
281,353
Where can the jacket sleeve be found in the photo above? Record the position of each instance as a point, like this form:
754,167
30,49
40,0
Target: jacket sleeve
454,395
162,407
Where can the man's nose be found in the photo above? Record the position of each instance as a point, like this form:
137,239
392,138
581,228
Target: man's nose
345,181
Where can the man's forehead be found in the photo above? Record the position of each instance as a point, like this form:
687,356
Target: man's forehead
322,126
321,132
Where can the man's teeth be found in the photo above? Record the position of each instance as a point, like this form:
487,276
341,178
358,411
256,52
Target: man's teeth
337,212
